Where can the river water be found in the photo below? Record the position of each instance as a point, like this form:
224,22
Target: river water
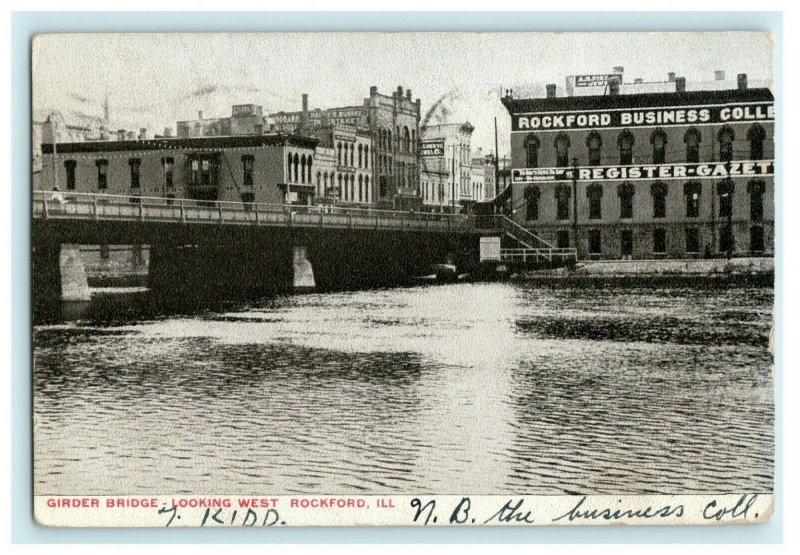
466,388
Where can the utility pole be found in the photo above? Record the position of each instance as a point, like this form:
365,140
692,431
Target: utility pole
575,200
496,161
53,133
453,180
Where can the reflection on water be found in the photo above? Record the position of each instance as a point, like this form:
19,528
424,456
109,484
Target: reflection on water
480,388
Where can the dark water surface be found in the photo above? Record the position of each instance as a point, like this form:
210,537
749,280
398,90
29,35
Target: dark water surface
466,388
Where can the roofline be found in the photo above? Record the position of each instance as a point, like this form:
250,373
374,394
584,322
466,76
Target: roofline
638,100
171,143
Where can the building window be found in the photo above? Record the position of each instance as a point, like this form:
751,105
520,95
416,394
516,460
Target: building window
726,137
367,193
105,253
725,191
102,174
562,202
135,164
339,190
692,193
366,156
562,145
532,202
303,168
383,187
659,241
625,143
309,164
360,155
756,136
296,168
595,241
727,242
757,239
626,243
339,153
595,194
69,168
756,191
352,155
168,165
692,240
692,140
659,141
247,169
659,192
531,151
594,142
625,192
360,188
406,140
562,239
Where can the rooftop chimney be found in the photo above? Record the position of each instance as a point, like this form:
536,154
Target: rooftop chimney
143,134
408,94
671,76
399,90
742,81
168,131
680,84
304,114
373,90
613,87
200,114
121,135
551,90
719,75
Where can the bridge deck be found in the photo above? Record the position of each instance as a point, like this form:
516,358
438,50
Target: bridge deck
101,207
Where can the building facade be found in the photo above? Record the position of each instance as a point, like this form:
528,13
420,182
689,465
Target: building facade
351,181
682,174
266,169
446,153
389,126
245,119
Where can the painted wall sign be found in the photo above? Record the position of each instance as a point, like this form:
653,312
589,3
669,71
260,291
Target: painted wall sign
596,80
593,119
650,171
432,149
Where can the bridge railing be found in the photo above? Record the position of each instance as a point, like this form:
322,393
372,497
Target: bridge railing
532,255
91,206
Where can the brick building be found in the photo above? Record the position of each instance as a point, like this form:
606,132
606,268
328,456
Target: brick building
446,153
389,125
681,174
268,168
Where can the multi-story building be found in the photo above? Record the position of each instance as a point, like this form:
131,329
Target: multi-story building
351,181
389,125
446,151
272,168
245,119
687,173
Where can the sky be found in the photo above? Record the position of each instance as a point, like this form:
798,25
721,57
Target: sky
154,80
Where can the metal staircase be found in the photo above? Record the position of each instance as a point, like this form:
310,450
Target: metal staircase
533,249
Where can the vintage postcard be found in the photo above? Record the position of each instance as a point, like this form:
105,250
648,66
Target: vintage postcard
418,279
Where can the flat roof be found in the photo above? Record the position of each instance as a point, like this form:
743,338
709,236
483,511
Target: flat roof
640,100
173,143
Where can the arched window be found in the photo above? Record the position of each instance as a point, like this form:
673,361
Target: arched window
659,141
339,190
532,194
397,138
691,191
406,140
296,167
532,151
413,140
659,192
755,135
360,188
625,192
69,168
562,145
725,191
289,164
339,153
756,191
360,155
594,143
303,168
366,156
320,190
726,137
309,163
352,155
692,140
563,194
625,143
595,194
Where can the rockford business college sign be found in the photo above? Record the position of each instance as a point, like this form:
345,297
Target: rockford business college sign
650,171
648,117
